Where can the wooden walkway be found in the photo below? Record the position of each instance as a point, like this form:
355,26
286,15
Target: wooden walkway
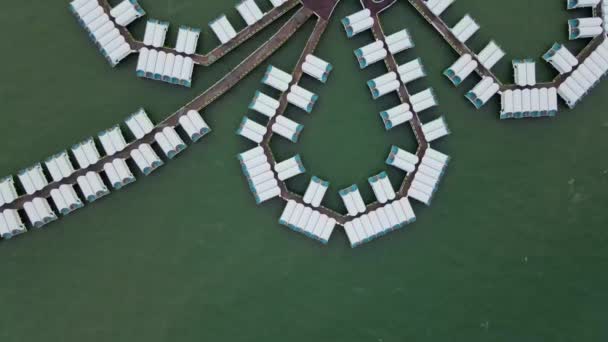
323,9
391,64
446,33
311,45
220,51
404,96
199,103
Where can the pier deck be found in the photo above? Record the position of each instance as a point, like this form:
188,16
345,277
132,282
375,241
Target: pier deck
461,48
221,50
199,103
323,9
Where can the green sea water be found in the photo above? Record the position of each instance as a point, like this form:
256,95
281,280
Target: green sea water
513,247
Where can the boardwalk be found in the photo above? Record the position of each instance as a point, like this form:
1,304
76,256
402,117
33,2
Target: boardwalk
199,103
376,7
444,30
323,9
404,96
311,45
220,51
595,42
403,93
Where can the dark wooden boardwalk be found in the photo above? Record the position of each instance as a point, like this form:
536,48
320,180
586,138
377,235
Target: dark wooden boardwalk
222,50
377,6
311,45
199,103
323,9
404,96
444,30
391,64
